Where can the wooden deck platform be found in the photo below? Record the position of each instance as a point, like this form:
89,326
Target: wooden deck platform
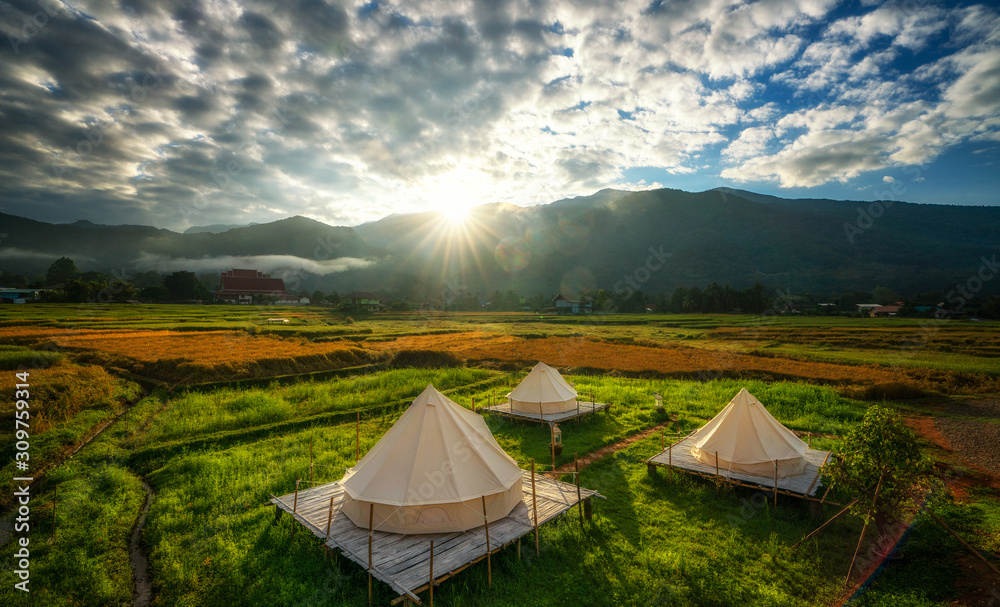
403,561
583,409
804,485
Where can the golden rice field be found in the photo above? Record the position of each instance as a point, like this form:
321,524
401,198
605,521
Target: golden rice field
193,356
678,360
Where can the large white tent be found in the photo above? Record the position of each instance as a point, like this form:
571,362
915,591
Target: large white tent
430,472
749,440
543,389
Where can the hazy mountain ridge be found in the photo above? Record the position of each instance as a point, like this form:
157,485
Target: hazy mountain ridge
652,240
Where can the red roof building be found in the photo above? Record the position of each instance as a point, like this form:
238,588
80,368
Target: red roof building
240,286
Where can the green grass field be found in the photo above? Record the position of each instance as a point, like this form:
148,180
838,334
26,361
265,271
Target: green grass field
213,456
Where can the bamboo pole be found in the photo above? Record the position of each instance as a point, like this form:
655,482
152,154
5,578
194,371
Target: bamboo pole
329,519
670,461
357,442
864,528
716,463
534,506
579,500
552,447
295,504
775,483
431,584
473,404
964,543
310,461
823,526
489,554
371,528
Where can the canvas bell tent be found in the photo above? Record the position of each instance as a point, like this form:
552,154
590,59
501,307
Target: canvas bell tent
543,389
430,472
747,439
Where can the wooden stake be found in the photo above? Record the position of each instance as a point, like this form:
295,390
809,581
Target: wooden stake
295,504
310,461
592,403
716,463
371,527
964,543
864,528
579,500
534,506
821,527
473,404
357,443
431,584
489,558
329,519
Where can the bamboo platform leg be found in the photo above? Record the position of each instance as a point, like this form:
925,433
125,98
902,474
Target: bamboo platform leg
489,557
357,441
310,461
295,506
670,462
329,519
534,506
775,483
717,469
576,466
371,528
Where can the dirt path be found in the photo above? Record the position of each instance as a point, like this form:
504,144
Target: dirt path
140,568
603,452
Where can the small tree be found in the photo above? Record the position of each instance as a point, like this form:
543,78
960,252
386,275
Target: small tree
882,447
61,270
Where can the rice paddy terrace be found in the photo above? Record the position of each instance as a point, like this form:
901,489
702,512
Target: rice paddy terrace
217,410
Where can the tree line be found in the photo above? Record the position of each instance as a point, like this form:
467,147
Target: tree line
73,286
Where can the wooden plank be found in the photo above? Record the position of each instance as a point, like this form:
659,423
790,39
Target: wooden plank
583,409
403,561
803,484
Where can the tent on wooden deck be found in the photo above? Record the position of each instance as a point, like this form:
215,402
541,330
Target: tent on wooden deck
749,440
430,472
545,389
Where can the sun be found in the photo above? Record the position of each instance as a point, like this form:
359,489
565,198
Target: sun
454,193
455,214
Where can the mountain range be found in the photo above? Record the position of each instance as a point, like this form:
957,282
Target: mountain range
651,240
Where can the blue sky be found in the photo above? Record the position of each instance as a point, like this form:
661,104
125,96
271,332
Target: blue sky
184,112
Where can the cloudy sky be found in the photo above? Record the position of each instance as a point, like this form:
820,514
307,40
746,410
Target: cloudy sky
193,112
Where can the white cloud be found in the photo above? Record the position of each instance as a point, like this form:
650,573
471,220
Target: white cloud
271,264
887,179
